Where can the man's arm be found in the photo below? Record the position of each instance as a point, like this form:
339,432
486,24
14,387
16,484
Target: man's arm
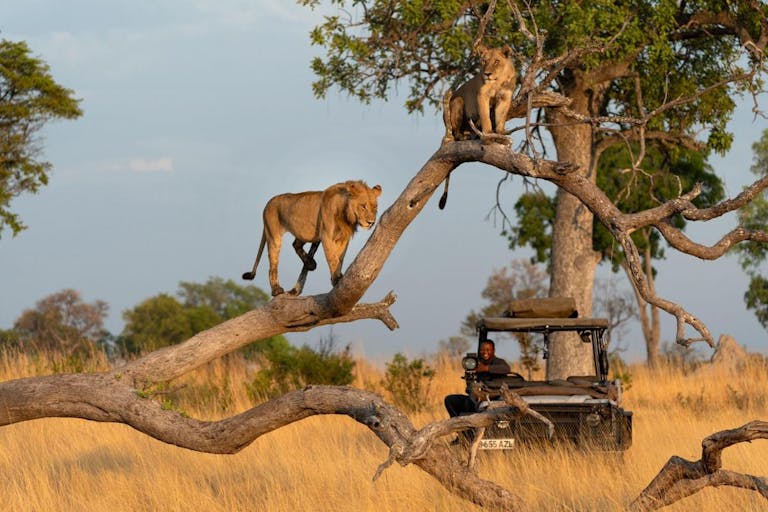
499,366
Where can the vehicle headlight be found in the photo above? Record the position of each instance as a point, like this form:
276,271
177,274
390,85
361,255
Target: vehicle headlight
469,362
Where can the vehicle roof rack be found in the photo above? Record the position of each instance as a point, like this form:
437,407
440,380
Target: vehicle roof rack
541,324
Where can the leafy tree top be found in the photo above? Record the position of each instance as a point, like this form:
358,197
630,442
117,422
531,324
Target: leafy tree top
29,98
682,62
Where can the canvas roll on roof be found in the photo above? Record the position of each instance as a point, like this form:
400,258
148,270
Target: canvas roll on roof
541,324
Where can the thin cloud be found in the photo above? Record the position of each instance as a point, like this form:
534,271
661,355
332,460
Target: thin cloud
164,164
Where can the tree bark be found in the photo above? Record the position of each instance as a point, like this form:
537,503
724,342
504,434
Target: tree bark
106,397
573,260
648,314
680,478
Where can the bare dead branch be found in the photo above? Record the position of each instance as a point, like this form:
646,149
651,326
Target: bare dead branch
512,407
105,397
729,205
483,23
640,282
677,239
680,478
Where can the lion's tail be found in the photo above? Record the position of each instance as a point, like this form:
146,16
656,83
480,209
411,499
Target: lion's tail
444,197
250,275
449,137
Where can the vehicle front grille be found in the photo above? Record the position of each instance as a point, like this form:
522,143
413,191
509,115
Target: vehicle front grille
601,426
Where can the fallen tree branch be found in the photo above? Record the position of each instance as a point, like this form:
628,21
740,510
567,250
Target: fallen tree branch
680,478
512,407
106,397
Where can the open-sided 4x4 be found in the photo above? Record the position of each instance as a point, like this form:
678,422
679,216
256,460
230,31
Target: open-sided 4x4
585,409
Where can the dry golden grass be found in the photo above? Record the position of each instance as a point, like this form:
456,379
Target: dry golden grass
326,463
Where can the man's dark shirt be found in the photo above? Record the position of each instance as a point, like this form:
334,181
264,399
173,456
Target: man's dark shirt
462,404
498,366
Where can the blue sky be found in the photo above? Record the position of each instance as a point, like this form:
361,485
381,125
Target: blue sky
197,112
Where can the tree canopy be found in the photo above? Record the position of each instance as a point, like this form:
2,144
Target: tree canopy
651,78
29,98
638,54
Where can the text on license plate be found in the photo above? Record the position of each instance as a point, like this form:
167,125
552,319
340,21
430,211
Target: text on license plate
497,444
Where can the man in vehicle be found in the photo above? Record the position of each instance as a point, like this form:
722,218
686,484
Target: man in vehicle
488,367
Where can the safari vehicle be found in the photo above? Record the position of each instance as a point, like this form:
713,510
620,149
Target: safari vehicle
585,409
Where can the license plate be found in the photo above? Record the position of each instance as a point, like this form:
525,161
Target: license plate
497,444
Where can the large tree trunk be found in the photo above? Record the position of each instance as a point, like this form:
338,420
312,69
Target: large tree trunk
573,260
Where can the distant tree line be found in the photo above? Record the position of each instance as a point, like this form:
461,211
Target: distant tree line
65,325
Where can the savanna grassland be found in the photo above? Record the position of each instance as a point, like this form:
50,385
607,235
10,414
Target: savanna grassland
326,463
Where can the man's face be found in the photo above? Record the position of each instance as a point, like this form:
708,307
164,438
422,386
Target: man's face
486,351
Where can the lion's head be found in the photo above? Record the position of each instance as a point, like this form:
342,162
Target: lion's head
495,64
362,203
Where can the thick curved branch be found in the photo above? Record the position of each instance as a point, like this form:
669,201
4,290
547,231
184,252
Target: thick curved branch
512,407
106,398
640,282
729,205
286,314
677,239
282,314
680,478
708,21
619,224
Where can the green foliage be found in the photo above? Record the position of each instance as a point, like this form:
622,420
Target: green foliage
288,368
378,44
752,255
408,382
754,217
225,298
29,98
535,218
756,298
10,339
164,320
158,322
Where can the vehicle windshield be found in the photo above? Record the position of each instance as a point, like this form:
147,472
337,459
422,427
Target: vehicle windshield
591,331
